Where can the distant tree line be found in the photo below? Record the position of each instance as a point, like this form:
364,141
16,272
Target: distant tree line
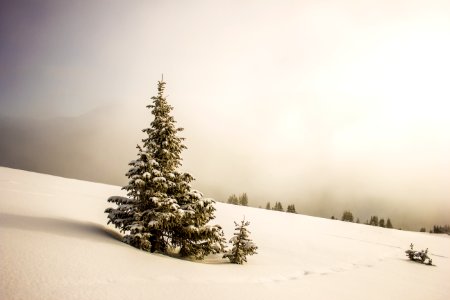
241,200
279,207
347,216
374,221
441,229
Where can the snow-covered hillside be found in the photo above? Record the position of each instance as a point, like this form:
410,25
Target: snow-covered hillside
54,244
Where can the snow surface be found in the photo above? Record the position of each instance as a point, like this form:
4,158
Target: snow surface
54,244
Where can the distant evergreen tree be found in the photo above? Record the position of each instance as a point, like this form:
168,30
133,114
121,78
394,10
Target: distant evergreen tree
373,221
233,199
291,209
381,223
423,229
347,216
243,199
441,229
242,244
278,206
332,218
268,205
388,223
162,209
357,221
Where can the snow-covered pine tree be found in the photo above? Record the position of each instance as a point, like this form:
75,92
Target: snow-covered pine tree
162,209
127,216
192,234
242,244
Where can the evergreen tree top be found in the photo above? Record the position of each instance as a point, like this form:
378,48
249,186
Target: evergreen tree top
163,143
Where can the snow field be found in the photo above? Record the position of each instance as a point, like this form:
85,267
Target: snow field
54,244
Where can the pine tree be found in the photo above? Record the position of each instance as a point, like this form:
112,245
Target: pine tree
278,206
373,221
291,208
140,215
193,235
233,199
381,223
388,223
243,199
162,210
268,205
347,216
242,244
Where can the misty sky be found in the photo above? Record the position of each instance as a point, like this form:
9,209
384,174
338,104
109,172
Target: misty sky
292,101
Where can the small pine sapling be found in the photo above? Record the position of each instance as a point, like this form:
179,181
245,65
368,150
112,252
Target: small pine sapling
242,244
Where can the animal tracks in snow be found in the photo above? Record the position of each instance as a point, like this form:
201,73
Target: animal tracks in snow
307,273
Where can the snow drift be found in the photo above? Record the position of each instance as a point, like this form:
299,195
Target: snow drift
54,244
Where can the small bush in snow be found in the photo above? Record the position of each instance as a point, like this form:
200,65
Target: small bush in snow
242,244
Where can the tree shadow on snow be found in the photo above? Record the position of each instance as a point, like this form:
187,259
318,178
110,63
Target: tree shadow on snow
212,259
417,262
85,231
62,227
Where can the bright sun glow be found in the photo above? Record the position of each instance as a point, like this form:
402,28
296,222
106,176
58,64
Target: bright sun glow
406,71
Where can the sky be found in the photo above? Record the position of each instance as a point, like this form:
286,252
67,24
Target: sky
330,105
